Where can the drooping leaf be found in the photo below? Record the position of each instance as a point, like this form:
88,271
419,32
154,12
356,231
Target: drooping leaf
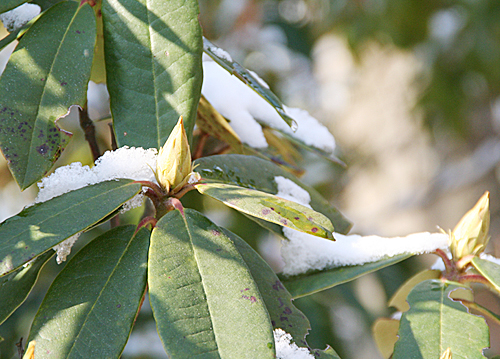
7,5
435,323
212,122
46,74
489,270
204,299
398,300
255,173
385,335
278,300
309,283
246,77
269,208
91,306
38,228
153,66
15,287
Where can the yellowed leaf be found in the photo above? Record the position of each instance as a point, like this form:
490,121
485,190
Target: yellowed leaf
398,300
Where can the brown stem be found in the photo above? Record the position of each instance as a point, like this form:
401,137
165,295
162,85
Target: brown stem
201,144
20,349
153,186
449,265
115,221
144,222
89,129
473,278
114,145
184,190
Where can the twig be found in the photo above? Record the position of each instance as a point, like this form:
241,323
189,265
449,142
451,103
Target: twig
200,145
114,144
89,129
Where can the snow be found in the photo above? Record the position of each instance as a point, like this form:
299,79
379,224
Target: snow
287,350
489,257
18,17
243,107
63,249
132,163
304,252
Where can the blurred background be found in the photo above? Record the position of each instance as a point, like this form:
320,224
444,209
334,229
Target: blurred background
411,91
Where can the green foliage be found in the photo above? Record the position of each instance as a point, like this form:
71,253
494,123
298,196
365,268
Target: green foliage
92,304
309,283
212,295
153,65
38,228
47,73
435,322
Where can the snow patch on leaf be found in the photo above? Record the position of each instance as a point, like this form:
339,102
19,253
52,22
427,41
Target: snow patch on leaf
243,107
304,252
285,349
129,163
18,17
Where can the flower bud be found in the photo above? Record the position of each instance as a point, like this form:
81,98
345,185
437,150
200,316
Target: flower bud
173,164
470,235
446,354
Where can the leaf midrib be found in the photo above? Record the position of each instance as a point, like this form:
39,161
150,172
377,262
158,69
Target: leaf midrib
99,296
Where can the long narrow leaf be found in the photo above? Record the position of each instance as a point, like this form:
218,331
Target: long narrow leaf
38,228
91,306
309,283
47,73
256,173
204,298
247,78
269,208
153,66
15,287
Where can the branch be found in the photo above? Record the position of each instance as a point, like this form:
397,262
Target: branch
89,129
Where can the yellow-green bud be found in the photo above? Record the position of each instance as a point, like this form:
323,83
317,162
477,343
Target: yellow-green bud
173,165
470,236
446,354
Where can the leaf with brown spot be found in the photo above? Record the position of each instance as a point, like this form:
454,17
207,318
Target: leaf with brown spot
46,74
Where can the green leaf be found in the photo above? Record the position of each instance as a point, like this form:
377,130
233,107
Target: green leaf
46,4
435,322
489,270
38,228
269,208
309,283
15,287
255,173
328,353
91,306
46,74
247,78
98,73
278,300
153,66
7,5
204,299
